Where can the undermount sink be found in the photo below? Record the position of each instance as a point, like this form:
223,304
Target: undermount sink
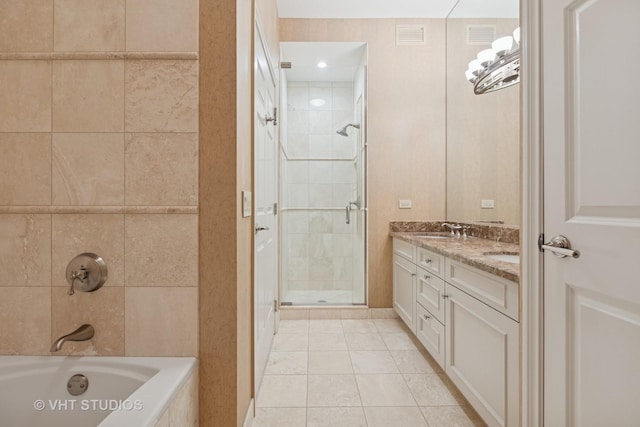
512,257
434,235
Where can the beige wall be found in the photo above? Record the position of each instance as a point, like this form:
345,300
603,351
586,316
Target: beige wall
99,143
406,127
483,135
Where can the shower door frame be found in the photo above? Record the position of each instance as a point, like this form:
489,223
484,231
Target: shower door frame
363,133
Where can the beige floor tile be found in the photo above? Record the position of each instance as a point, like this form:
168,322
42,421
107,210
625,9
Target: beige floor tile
291,342
387,417
335,417
384,390
359,325
452,416
414,362
386,326
330,362
287,363
293,314
399,341
326,326
293,327
361,341
430,390
373,362
327,342
283,391
280,417
333,390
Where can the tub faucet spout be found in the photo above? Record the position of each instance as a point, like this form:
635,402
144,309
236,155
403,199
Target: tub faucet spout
83,333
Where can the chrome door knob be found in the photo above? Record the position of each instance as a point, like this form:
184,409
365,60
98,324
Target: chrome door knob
258,229
559,246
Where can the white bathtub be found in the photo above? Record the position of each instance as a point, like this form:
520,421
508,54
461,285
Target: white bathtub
122,391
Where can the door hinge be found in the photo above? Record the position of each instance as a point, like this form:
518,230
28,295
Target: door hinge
541,242
275,305
275,208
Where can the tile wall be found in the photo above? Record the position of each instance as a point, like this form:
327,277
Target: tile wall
318,178
99,153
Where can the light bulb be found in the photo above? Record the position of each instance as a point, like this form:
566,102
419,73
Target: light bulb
470,76
502,46
486,57
317,102
516,35
322,64
476,67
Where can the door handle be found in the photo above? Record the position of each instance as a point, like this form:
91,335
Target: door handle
559,246
258,229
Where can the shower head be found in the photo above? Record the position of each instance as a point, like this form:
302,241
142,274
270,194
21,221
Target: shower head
343,131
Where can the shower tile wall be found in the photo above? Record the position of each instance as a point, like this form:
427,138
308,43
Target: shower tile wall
99,153
317,242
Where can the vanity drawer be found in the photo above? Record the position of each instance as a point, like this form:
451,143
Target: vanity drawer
404,249
430,261
431,334
429,293
499,293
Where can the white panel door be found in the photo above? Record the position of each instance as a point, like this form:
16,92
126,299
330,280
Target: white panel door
591,116
265,184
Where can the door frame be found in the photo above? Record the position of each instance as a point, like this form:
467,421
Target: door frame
532,326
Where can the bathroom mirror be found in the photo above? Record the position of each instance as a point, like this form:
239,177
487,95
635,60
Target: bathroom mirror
483,131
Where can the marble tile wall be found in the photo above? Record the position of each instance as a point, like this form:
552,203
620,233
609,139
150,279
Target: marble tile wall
317,244
99,143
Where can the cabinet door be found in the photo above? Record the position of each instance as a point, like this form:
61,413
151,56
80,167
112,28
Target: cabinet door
482,357
430,333
404,290
429,293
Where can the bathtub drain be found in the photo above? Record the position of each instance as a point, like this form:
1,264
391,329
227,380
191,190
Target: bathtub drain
77,384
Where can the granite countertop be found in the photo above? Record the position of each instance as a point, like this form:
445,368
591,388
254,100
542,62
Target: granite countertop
468,251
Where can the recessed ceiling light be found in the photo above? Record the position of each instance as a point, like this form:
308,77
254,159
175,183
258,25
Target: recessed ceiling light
322,64
317,102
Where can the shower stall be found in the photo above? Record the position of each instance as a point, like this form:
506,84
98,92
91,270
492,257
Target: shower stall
322,174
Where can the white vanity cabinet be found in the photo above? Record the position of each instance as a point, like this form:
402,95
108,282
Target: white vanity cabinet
404,282
468,321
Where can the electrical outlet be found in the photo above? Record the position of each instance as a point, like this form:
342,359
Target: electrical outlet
404,204
487,204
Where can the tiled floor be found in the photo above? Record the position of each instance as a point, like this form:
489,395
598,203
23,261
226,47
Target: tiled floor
349,373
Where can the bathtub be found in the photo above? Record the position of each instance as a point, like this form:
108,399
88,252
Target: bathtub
121,392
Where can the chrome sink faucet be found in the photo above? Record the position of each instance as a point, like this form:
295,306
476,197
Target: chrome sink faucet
83,333
455,229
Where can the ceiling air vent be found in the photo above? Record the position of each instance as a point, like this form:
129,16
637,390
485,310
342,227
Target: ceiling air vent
285,65
410,35
481,34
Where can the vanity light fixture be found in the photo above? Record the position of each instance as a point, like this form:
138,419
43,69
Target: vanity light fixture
322,64
498,67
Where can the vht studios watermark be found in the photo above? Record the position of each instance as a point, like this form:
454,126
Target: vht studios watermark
88,405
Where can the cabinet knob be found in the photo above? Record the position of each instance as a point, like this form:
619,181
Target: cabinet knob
414,274
445,296
427,277
426,317
428,260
